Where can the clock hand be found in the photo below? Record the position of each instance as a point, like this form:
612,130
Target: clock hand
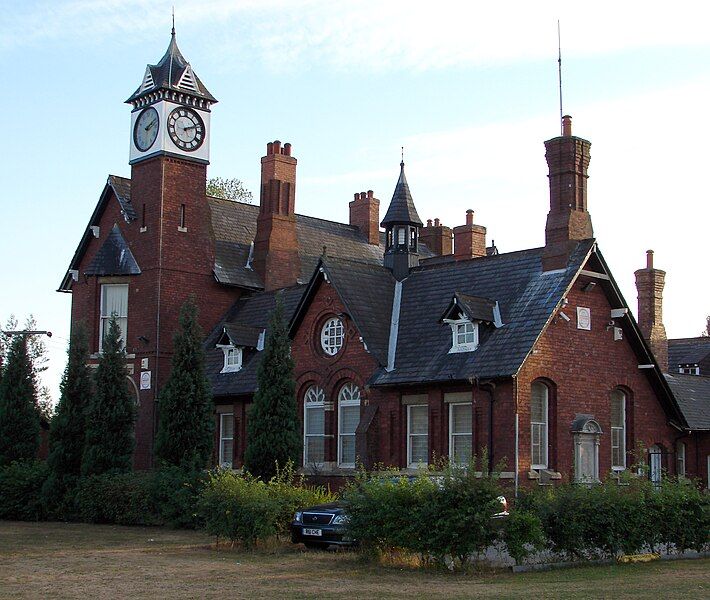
190,127
150,125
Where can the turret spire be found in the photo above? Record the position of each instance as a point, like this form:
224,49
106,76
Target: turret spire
402,224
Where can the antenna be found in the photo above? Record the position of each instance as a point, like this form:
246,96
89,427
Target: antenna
559,70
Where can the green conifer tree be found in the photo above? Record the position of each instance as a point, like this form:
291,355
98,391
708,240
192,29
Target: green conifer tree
19,417
67,432
111,413
186,413
273,436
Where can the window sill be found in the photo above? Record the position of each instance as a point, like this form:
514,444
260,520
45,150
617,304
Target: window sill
182,229
231,370
97,355
459,349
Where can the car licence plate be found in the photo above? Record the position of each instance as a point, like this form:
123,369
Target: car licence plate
315,532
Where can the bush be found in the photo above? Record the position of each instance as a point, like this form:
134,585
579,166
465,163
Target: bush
20,486
118,498
611,519
238,508
175,495
290,493
522,534
442,519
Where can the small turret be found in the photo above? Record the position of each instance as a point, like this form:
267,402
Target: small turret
401,224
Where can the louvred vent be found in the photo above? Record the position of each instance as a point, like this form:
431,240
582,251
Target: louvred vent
147,80
187,81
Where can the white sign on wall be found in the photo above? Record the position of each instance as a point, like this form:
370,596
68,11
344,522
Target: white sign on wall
584,318
145,380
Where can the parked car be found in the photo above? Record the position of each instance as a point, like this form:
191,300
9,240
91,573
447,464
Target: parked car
326,525
321,526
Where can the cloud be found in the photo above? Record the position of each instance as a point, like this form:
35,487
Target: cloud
368,34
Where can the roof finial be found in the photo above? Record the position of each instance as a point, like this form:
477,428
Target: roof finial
402,163
173,30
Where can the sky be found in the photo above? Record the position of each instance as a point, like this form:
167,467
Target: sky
470,89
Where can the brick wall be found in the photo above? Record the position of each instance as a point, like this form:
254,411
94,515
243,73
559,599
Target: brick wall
167,278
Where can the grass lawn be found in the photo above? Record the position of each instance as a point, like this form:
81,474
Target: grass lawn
56,560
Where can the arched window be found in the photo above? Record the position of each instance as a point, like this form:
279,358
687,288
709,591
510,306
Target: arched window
348,420
539,424
618,430
313,426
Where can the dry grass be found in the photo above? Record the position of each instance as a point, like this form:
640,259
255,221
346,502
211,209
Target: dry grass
55,560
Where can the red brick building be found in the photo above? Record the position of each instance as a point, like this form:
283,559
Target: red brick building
408,347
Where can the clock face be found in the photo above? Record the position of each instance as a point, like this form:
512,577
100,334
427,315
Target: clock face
146,128
186,129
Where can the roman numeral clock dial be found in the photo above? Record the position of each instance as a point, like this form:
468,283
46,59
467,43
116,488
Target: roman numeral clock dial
186,129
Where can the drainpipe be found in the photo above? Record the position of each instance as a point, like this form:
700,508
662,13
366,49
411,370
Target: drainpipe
517,432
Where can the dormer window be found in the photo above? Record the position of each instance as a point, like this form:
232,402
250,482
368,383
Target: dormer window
464,315
465,335
232,359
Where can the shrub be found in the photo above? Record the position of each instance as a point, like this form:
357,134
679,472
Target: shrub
522,534
20,486
290,493
682,515
238,508
119,498
446,518
175,494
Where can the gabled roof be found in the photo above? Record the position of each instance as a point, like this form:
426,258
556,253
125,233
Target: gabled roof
114,257
527,298
474,308
693,395
172,72
366,290
238,334
401,208
116,187
253,313
688,351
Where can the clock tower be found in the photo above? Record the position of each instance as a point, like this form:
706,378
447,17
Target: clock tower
171,111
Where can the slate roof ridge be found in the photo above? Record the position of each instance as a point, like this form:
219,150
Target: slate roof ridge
697,338
430,266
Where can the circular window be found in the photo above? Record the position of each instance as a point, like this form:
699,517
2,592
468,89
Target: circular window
332,336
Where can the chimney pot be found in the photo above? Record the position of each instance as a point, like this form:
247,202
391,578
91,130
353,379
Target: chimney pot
370,194
469,217
269,148
428,222
567,126
649,259
277,147
357,196
437,222
287,149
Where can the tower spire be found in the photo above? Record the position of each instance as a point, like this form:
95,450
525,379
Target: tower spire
402,224
172,32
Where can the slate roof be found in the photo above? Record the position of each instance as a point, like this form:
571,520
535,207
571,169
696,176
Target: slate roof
234,227
688,351
401,208
693,395
474,307
168,72
527,298
251,312
367,291
114,257
118,187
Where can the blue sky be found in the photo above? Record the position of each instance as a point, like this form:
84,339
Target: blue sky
469,88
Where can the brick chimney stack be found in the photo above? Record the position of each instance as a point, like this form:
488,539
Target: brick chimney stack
365,215
276,257
437,237
568,220
469,239
650,283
